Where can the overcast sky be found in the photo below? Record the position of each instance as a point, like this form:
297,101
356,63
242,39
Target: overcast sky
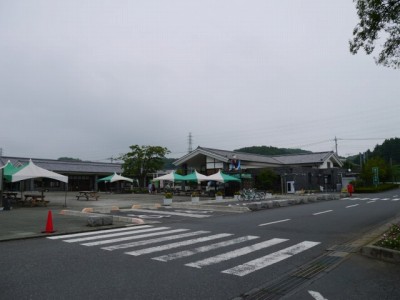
89,78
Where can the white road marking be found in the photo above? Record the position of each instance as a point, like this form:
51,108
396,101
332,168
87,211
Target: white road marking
322,212
385,199
97,232
178,244
372,201
97,237
195,211
152,241
375,199
170,213
352,205
129,238
316,295
236,253
187,253
269,259
280,221
149,216
395,199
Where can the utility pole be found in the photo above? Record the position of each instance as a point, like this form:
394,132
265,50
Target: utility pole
190,140
336,146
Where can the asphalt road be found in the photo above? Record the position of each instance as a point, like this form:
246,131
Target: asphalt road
230,254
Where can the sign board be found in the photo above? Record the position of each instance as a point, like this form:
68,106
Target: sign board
375,176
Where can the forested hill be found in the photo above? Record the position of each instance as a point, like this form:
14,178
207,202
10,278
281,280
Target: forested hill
388,151
269,150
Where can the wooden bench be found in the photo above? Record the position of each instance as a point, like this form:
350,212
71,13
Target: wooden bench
34,200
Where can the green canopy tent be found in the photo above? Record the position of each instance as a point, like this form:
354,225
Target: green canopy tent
170,177
114,178
223,178
8,170
195,176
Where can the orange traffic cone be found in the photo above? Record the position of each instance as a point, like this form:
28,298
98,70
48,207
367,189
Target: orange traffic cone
49,224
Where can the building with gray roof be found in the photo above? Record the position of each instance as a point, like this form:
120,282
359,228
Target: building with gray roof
309,171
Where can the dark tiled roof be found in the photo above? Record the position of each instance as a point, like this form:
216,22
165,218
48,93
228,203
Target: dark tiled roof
243,156
67,166
277,160
308,158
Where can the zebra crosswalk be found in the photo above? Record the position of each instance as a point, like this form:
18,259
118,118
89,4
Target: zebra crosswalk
152,241
395,198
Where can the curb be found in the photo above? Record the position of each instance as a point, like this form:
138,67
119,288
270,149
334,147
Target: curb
115,218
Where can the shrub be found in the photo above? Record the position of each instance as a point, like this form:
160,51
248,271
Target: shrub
168,195
195,194
380,188
219,193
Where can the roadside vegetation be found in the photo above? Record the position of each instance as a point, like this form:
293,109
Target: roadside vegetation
391,239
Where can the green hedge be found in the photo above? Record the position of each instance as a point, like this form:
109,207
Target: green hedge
380,188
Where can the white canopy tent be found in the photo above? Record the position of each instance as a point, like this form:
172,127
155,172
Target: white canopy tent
33,171
170,177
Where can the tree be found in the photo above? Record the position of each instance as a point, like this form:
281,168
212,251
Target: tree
269,150
384,170
378,18
142,160
266,180
69,159
389,150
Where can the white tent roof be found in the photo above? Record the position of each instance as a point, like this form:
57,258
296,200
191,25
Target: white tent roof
33,171
169,177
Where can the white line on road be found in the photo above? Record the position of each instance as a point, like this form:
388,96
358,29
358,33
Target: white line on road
160,212
372,201
134,237
97,232
316,295
352,205
235,253
322,212
152,241
270,259
97,237
280,221
178,244
187,253
395,199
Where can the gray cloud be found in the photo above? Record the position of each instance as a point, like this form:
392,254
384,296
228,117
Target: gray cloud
89,78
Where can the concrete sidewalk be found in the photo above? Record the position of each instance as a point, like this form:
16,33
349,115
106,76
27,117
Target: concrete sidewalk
70,215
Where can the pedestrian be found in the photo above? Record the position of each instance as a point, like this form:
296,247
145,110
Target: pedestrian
153,188
149,188
350,189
